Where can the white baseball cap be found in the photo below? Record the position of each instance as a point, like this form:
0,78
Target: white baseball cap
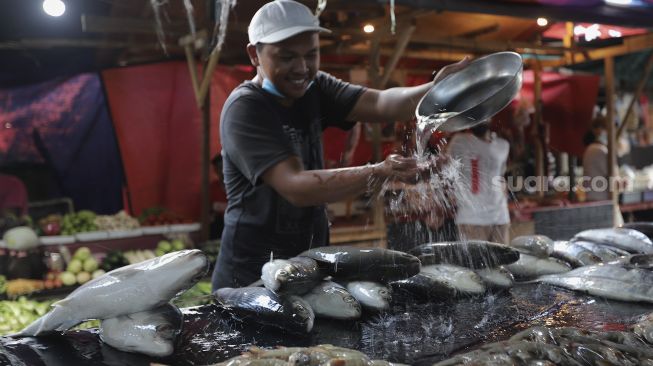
282,19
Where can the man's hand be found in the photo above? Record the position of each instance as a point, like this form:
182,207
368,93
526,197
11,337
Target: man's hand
450,69
400,168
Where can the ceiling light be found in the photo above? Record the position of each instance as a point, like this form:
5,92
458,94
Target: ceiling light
368,28
619,2
614,33
54,8
542,22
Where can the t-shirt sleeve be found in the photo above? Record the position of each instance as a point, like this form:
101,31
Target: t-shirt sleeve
252,137
337,99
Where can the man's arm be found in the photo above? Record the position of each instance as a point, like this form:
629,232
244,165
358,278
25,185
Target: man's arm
396,104
315,187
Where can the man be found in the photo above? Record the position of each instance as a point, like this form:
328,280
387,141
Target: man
482,212
272,148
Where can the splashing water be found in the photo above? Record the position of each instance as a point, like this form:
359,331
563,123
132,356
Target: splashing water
321,5
189,14
156,8
222,9
427,125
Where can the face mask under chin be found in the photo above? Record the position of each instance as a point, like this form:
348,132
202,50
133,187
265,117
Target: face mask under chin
268,86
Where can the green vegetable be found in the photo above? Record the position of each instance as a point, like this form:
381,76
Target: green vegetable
68,278
16,315
90,265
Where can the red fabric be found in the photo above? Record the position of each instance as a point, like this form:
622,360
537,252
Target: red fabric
567,106
13,194
158,126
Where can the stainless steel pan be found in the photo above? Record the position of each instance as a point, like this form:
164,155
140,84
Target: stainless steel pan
476,93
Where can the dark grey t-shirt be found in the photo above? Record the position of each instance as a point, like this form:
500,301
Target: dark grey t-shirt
257,132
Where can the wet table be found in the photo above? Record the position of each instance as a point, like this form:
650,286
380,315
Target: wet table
418,334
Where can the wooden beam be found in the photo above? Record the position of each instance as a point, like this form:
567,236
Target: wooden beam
480,31
44,43
568,41
612,156
638,92
630,44
104,24
400,47
539,140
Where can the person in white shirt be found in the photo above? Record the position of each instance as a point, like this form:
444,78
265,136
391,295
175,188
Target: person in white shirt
595,160
481,196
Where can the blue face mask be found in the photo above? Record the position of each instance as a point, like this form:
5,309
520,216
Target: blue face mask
270,88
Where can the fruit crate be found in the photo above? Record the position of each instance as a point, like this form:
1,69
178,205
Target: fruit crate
40,209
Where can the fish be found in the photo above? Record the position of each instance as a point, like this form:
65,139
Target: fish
574,254
294,276
644,261
529,266
537,245
611,281
331,300
496,278
364,264
513,353
644,327
126,290
629,240
464,280
291,313
605,252
150,332
645,228
471,254
438,285
371,295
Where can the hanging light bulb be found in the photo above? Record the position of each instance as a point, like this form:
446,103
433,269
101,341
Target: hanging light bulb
542,22
368,28
54,8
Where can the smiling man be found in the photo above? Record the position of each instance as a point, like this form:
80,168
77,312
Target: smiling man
271,133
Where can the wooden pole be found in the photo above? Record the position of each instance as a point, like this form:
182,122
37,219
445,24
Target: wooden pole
568,42
539,145
402,42
612,156
205,207
638,92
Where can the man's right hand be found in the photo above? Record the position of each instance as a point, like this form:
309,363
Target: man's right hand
401,168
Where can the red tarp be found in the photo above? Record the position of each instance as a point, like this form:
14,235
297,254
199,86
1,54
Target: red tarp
158,126
567,105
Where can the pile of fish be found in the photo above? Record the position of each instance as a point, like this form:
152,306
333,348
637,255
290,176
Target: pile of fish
566,346
132,302
339,282
318,355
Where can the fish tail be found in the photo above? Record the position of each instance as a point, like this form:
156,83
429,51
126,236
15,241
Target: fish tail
31,330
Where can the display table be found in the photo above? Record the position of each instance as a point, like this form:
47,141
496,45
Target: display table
409,333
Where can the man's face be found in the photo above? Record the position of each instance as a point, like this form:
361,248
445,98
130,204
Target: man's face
290,64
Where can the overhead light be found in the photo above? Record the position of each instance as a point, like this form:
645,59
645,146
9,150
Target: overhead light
590,33
619,2
54,8
614,33
542,22
368,28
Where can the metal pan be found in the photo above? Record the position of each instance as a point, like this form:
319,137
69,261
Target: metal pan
477,92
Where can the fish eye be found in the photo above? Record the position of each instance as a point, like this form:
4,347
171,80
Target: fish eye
350,299
282,273
383,292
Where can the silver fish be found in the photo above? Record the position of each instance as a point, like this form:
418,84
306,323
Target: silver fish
150,332
644,327
463,279
470,254
629,240
126,290
330,300
497,278
574,254
371,295
605,252
611,281
645,228
264,306
294,276
537,245
364,264
529,266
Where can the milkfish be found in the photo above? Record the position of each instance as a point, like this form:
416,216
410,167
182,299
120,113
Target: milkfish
264,306
471,254
611,281
430,286
150,332
605,252
537,245
126,290
371,295
364,264
645,228
644,261
496,278
331,300
529,266
294,276
464,280
574,254
629,240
